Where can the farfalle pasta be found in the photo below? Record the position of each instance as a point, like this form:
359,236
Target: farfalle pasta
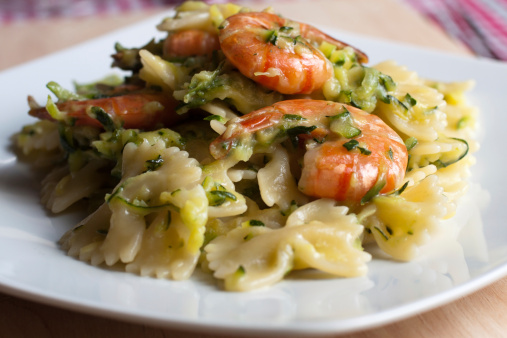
249,145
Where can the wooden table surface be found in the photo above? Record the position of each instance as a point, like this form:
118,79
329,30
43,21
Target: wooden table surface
483,313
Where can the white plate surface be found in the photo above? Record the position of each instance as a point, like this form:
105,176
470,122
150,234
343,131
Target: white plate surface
32,266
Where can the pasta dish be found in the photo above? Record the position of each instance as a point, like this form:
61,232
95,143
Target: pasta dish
249,145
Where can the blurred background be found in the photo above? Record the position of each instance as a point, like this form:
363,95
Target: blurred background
481,25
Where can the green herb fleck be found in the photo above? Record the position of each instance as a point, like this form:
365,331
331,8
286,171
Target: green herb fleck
103,117
399,191
152,165
219,197
256,223
381,233
390,154
410,143
272,37
351,145
343,125
409,101
374,191
285,29
431,111
389,230
241,270
294,132
214,117
462,123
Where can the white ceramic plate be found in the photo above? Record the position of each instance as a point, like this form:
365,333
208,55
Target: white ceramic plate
32,266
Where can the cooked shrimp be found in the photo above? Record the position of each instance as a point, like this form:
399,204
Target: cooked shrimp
348,151
133,110
190,43
276,52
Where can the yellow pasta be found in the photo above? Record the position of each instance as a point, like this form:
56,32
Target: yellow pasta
249,174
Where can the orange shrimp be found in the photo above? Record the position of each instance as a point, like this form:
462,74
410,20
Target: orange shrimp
190,43
130,109
277,53
344,168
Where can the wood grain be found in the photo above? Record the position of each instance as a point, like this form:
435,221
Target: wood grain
483,313
384,19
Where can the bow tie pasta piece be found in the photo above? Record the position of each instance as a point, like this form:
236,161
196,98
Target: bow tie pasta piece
252,257
403,223
172,242
84,240
414,109
224,201
61,188
276,183
139,216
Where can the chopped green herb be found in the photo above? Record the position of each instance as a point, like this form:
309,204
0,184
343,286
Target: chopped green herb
409,101
386,84
256,223
285,29
61,93
431,111
152,165
343,125
410,143
214,117
66,139
294,132
364,151
351,145
448,160
116,192
271,37
399,191
389,230
390,154
299,39
374,191
381,233
141,206
293,206
462,123
321,140
103,117
219,197
406,103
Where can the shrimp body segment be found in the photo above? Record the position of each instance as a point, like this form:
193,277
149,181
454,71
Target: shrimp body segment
285,64
134,110
334,166
276,52
190,42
